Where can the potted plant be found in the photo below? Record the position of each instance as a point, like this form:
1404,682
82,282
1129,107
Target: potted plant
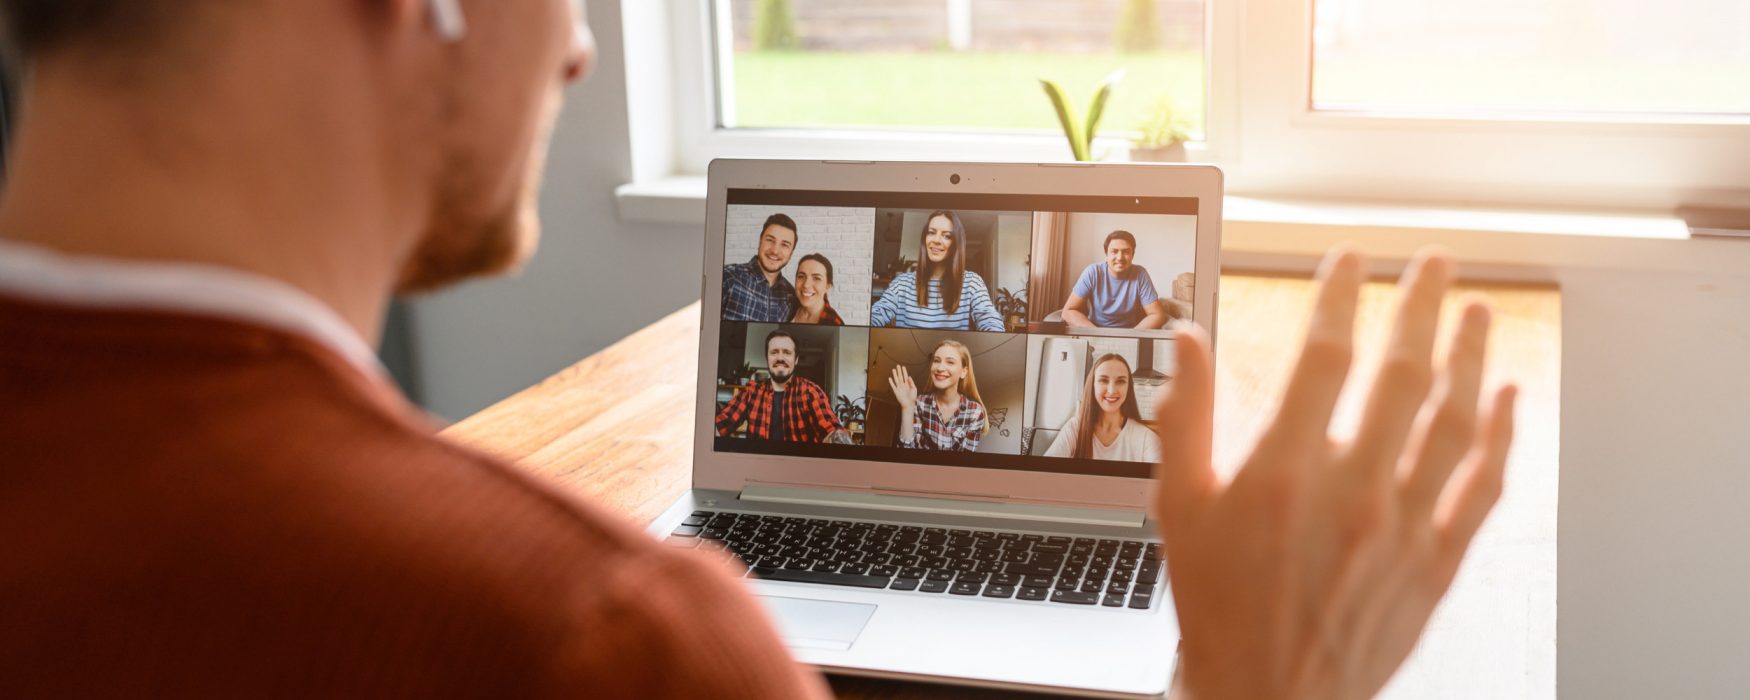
851,413
1161,136
1080,133
1013,307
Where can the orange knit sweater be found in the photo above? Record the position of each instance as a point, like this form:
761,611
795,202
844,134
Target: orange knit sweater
194,507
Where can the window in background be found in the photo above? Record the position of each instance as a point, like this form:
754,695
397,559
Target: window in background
1462,57
956,65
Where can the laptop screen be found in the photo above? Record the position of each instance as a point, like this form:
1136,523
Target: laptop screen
975,330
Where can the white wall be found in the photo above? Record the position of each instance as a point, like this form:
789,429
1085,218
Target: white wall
845,235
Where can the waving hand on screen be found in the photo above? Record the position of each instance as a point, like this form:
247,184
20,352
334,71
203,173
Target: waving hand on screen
1313,571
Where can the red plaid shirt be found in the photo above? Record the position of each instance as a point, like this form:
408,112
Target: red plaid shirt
958,434
807,412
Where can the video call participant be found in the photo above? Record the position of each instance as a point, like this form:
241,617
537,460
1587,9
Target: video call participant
813,283
1116,293
1109,405
951,415
802,409
952,298
756,290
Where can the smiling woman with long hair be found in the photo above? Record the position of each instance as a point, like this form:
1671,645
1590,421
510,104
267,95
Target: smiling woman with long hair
949,296
813,283
951,415
1109,406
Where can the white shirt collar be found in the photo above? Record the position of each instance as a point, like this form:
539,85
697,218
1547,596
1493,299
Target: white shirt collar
37,273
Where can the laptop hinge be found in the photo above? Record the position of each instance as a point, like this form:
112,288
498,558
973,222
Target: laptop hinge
941,504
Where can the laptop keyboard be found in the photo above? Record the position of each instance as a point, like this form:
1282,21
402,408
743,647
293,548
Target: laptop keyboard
931,560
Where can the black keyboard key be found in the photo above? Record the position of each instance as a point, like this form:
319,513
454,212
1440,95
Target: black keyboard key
695,521
884,570
702,514
1150,573
1031,569
933,586
821,577
1008,536
855,569
966,588
1091,586
999,591
1075,598
912,572
1117,588
1033,593
1032,538
1113,601
904,584
1141,602
1006,579
1058,539
1048,547
799,564
686,531
1036,582
971,577
943,575
712,533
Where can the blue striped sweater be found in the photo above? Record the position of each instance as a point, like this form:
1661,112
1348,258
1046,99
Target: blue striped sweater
898,306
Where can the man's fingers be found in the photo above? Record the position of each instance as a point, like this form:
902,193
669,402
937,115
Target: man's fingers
1473,495
1185,421
1303,421
1406,371
1449,433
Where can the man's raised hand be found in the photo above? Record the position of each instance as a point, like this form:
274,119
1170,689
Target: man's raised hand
1312,572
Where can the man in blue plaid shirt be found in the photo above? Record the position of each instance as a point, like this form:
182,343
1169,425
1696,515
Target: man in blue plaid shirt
756,290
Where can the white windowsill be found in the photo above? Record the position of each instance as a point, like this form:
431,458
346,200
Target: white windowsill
1290,235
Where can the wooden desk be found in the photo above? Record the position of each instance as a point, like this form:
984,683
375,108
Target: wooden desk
616,426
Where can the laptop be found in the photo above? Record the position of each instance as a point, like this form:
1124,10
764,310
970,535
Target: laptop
896,361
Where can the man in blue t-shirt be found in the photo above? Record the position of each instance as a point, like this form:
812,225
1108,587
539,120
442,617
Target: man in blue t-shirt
1115,293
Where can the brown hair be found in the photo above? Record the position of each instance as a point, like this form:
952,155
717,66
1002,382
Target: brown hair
956,262
968,385
1090,411
35,27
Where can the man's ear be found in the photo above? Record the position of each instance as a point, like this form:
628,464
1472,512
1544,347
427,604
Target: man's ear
447,19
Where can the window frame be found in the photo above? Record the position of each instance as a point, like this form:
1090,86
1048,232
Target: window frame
1261,129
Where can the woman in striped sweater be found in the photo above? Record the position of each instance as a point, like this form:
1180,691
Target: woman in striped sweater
951,296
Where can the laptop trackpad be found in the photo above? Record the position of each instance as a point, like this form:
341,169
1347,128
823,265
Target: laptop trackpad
818,624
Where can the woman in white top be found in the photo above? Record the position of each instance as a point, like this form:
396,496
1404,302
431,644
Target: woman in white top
1109,405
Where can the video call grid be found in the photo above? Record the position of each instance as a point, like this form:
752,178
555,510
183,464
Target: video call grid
848,232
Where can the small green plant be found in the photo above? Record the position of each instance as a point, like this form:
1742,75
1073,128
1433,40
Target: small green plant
1139,27
774,26
1009,303
1081,134
850,410
1163,127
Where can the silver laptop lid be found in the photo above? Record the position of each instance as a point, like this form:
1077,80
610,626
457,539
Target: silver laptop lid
811,324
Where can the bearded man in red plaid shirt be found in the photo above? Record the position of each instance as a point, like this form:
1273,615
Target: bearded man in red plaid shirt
803,409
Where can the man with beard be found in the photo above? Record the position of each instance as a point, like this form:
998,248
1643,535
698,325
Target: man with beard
785,408
756,290
209,487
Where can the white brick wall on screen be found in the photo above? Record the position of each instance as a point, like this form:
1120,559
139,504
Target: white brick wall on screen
845,235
